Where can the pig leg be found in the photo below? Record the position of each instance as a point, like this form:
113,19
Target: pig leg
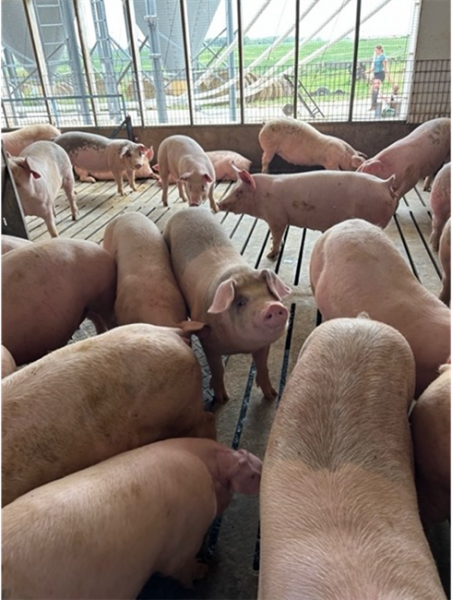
84,175
119,182
213,204
260,358
68,187
437,227
164,184
267,157
50,222
131,179
277,231
181,188
217,375
192,571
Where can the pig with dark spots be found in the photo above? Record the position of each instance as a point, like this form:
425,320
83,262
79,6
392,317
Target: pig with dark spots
338,507
15,141
440,204
11,242
96,398
184,159
415,156
430,426
39,172
49,288
301,144
355,267
241,306
96,153
146,291
102,532
315,200
444,257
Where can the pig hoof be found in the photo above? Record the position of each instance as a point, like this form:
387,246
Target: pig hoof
273,254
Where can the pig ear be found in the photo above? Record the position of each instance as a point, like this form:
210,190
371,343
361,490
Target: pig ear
357,161
124,151
207,177
142,148
224,297
185,176
156,167
247,178
150,153
275,284
28,166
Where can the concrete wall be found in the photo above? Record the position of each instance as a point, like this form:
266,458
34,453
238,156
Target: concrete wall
433,40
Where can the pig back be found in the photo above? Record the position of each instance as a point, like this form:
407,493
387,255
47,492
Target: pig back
101,532
337,486
125,388
147,291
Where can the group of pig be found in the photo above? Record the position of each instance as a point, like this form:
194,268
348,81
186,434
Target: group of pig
110,468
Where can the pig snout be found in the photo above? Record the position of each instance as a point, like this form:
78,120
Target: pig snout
247,478
274,315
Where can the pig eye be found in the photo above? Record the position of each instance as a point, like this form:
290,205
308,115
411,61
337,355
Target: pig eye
241,302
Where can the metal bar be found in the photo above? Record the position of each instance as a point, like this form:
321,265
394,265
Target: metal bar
86,57
41,64
355,60
296,51
231,61
129,14
241,64
187,58
156,57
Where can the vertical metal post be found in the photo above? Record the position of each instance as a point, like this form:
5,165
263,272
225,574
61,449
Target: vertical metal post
296,50
156,56
231,61
355,60
75,62
81,28
241,65
106,57
187,57
129,15
9,71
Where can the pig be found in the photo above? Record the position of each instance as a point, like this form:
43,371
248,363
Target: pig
223,162
444,256
430,426
8,362
301,144
49,288
39,172
96,398
183,157
413,157
355,267
146,290
338,508
314,200
96,153
440,204
102,532
11,242
144,172
15,141
241,306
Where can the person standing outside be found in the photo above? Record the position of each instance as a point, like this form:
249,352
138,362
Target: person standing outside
380,72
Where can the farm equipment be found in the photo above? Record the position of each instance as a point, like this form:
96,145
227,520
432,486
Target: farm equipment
288,108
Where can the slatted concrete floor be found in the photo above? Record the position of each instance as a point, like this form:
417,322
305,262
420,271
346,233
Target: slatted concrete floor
246,419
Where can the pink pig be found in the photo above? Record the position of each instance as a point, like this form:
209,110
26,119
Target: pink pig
301,144
96,153
355,267
430,426
338,506
413,157
440,204
96,398
147,291
315,200
39,172
241,306
11,242
183,157
102,532
15,141
49,287
144,172
8,362
444,256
